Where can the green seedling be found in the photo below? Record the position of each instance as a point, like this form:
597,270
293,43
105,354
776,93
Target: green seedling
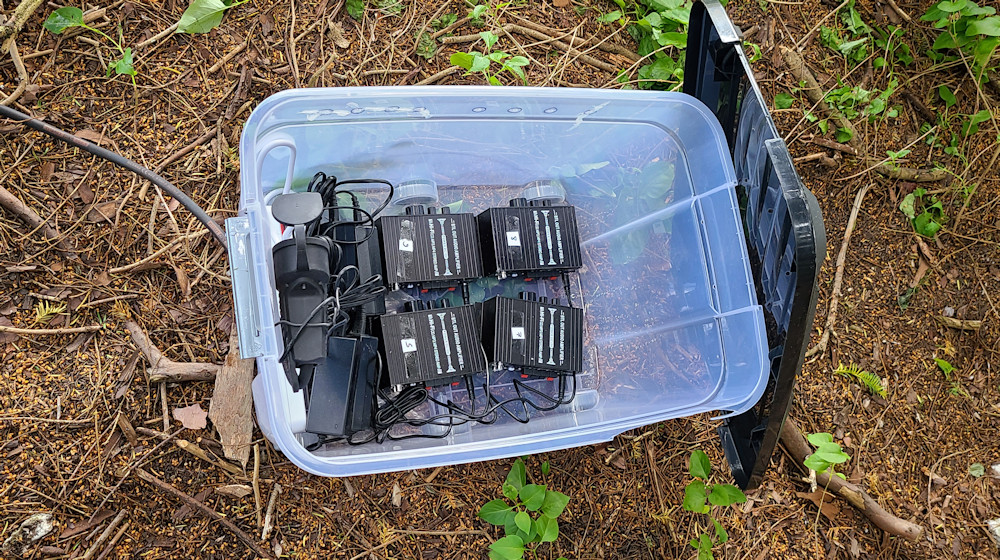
483,61
70,17
528,514
355,9
947,369
828,453
700,497
966,28
926,216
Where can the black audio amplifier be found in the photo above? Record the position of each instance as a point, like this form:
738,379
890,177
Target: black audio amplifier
535,335
432,346
533,240
430,248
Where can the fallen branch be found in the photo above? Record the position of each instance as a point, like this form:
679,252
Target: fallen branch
162,368
195,504
105,535
544,38
838,278
22,74
193,449
435,77
799,449
960,324
269,515
22,12
577,42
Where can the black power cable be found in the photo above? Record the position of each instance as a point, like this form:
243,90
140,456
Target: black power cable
121,161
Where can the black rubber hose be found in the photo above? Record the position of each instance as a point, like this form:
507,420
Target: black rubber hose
120,161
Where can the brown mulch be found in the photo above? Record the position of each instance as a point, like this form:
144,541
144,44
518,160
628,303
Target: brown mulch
62,452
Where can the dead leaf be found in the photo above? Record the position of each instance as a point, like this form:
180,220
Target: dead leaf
91,135
266,23
45,171
191,417
397,495
85,193
104,211
338,36
561,3
183,281
235,490
185,510
821,499
102,278
74,529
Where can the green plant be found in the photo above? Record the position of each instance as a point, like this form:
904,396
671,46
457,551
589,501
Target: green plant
783,100
426,45
972,31
698,492
202,16
444,21
531,520
828,453
70,16
476,15
46,311
947,369
483,61
925,216
874,383
355,8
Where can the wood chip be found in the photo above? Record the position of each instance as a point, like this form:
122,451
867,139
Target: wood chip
231,409
234,490
960,324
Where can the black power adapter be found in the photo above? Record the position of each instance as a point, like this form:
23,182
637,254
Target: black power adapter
432,345
534,240
536,335
430,248
342,391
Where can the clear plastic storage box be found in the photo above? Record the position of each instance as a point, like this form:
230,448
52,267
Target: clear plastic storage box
672,325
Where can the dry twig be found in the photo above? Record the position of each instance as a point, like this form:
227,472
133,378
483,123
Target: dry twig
195,504
163,369
838,278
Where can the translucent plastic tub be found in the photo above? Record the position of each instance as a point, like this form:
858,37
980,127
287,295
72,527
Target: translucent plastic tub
672,324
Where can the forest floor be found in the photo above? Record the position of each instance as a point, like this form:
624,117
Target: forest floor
921,450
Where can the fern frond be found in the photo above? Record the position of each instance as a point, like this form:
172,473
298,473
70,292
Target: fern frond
46,311
874,383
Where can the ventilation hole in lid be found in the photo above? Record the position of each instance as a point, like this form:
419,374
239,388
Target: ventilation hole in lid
514,110
550,110
478,109
357,111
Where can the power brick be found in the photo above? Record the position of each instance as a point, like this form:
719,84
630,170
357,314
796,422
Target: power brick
533,240
430,248
537,336
342,389
432,346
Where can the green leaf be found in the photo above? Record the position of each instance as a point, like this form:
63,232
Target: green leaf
509,491
704,544
844,135
510,547
694,496
523,521
655,182
509,527
977,469
517,477
926,225
945,366
516,61
545,472
494,512
497,56
489,38
548,528
610,17
783,100
720,532
64,18
907,206
700,466
202,16
833,457
533,496
950,6
726,495
554,503
478,11
946,95
479,63
672,39
124,65
355,9
462,60
815,463
989,26
820,438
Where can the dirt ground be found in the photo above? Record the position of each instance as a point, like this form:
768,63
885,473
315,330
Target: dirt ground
61,446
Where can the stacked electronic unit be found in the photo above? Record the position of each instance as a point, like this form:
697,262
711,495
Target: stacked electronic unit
368,374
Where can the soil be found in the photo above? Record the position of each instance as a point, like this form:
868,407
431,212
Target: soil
61,447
